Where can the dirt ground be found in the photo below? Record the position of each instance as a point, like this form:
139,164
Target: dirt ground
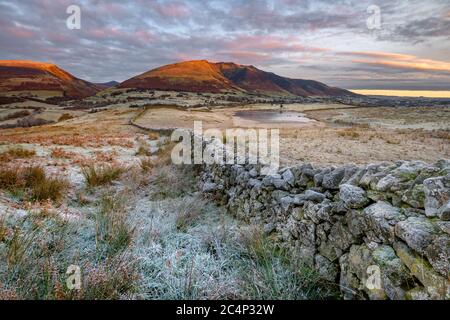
339,135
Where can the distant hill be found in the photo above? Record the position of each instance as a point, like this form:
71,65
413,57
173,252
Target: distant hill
31,77
106,85
205,76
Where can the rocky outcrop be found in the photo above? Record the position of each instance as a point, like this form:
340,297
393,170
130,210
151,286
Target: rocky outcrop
381,231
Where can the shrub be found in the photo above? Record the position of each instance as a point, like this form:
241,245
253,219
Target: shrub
19,153
65,116
351,133
31,122
100,175
15,115
61,153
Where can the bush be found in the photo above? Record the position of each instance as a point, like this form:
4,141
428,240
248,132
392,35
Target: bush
15,115
65,116
32,122
18,153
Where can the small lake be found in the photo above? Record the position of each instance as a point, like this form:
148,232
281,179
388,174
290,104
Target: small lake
274,116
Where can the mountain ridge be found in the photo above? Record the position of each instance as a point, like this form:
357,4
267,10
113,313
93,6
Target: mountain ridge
205,76
27,76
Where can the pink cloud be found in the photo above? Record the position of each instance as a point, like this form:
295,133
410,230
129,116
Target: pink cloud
270,43
20,32
398,60
173,10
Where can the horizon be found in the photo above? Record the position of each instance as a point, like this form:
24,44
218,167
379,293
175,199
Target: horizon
400,45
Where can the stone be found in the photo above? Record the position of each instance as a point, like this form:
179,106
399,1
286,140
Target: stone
254,183
394,273
318,178
288,176
437,286
269,228
410,170
329,250
444,212
356,177
309,195
341,237
380,219
444,226
209,187
359,260
417,293
415,196
277,195
326,269
353,197
386,183
253,173
304,233
436,194
280,184
348,282
286,202
350,171
297,213
417,232
268,180
319,212
333,179
356,223
438,254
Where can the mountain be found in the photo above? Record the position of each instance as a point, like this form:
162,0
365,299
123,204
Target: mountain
192,76
31,77
106,85
205,76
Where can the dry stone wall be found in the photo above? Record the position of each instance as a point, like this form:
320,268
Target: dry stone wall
380,231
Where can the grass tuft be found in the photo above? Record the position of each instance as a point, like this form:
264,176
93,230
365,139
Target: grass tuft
146,164
21,153
33,182
112,229
272,272
101,175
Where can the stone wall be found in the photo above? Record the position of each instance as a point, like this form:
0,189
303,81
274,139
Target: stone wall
352,223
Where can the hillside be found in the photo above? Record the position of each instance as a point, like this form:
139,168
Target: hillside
37,78
204,76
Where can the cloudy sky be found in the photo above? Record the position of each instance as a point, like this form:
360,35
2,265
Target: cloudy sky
338,42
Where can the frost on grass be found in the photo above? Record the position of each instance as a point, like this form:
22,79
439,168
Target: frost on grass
191,249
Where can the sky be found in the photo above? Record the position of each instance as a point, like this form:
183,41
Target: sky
396,44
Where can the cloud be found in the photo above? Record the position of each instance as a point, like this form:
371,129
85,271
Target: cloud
400,61
319,39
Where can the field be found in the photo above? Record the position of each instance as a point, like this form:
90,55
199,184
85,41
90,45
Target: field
97,192
339,135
